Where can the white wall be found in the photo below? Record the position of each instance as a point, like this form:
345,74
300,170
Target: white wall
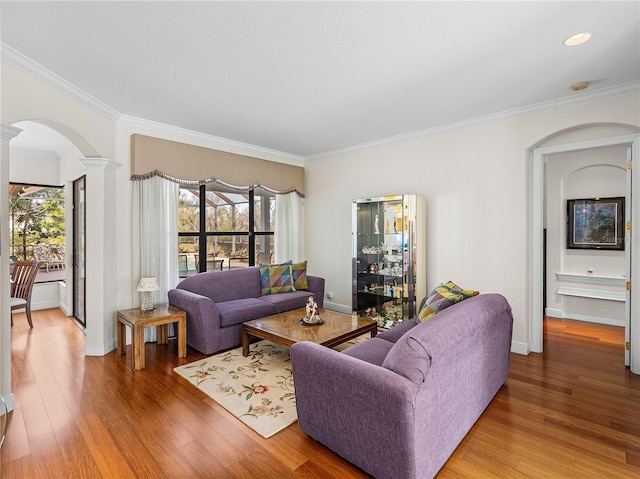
475,181
596,172
33,167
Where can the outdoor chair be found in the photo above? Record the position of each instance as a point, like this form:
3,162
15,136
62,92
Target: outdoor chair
45,255
23,276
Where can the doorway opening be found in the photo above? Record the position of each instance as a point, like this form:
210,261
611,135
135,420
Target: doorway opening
42,166
537,226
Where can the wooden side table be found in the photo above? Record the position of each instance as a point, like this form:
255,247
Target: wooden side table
137,320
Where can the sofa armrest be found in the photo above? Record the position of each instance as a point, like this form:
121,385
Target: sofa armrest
316,286
202,318
361,411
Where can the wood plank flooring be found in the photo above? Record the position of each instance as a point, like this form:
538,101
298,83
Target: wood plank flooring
572,412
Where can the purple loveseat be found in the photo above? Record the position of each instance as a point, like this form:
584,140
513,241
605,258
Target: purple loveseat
397,405
218,302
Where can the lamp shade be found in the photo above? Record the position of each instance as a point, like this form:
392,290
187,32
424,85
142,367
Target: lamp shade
148,283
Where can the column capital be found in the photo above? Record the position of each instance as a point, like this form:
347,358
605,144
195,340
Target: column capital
99,163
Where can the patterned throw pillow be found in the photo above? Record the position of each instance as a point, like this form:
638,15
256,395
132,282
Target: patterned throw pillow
276,279
275,264
300,280
445,295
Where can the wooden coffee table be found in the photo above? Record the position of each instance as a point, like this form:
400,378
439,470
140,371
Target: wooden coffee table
285,329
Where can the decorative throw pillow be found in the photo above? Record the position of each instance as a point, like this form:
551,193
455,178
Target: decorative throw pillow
276,279
275,264
300,280
444,295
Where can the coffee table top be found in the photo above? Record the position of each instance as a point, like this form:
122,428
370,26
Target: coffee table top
285,328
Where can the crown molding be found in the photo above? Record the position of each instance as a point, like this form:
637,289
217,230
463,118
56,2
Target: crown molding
535,109
37,71
192,137
33,69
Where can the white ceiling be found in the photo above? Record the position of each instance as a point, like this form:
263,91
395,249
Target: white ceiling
306,78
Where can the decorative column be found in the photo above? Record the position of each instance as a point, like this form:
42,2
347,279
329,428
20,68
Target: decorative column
6,134
101,280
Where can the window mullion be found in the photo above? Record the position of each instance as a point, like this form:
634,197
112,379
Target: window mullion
202,236
252,236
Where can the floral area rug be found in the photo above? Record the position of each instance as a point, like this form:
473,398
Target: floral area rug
257,389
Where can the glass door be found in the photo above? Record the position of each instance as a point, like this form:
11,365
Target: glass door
79,251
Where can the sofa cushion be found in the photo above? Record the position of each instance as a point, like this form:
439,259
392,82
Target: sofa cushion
287,302
373,350
299,271
276,279
241,310
225,285
409,356
444,295
397,331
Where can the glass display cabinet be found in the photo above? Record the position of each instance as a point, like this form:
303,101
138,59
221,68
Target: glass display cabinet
389,258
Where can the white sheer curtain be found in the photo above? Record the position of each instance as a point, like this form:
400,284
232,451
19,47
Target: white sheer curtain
156,227
288,236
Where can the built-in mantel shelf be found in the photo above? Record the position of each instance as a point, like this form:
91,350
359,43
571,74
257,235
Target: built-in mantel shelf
615,282
592,279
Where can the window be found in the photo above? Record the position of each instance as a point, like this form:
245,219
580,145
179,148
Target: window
265,224
227,229
37,227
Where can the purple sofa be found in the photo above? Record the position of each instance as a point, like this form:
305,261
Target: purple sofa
397,405
218,302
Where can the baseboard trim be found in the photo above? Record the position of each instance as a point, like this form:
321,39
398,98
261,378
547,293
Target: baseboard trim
339,308
520,348
101,351
10,400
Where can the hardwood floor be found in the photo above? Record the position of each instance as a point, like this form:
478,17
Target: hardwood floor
572,412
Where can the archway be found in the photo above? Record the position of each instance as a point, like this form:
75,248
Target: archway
42,155
574,139
100,208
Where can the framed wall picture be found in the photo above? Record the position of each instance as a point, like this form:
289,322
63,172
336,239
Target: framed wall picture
596,223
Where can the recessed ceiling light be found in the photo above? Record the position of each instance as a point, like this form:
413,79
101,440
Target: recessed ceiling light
577,39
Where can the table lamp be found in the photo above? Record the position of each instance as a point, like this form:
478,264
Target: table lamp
146,285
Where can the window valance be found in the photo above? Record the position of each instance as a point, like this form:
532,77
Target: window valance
188,164
206,181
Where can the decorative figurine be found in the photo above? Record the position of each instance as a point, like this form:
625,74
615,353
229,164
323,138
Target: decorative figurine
312,311
376,229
